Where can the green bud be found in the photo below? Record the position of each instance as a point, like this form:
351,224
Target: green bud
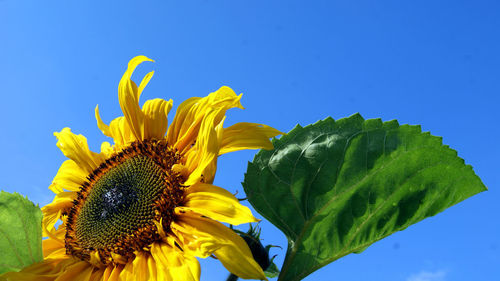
259,252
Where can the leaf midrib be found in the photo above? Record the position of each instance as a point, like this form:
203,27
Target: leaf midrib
347,251
26,235
21,263
293,171
308,221
369,174
15,249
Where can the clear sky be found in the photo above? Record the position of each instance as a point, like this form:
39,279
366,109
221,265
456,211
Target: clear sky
434,63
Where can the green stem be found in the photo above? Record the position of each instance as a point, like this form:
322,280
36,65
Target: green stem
232,277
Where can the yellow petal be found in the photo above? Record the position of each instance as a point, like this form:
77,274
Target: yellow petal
127,273
156,122
182,119
144,267
54,245
97,275
174,263
47,270
201,235
128,96
75,147
58,254
186,125
50,245
69,177
62,202
211,169
80,271
217,203
144,83
107,273
247,136
101,125
106,149
120,130
116,274
153,269
205,151
52,270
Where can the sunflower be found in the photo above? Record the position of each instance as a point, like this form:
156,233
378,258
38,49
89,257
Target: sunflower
145,207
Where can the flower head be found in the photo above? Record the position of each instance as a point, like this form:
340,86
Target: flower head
145,207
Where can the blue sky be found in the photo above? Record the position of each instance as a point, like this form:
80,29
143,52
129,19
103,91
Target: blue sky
434,63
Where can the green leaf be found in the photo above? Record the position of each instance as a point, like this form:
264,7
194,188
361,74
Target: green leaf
336,187
272,271
20,232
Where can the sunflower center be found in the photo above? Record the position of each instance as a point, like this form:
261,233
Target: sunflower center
117,211
121,200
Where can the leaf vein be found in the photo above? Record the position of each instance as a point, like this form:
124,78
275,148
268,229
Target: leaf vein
26,235
14,249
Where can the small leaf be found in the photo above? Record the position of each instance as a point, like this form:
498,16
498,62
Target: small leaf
20,232
336,187
272,271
